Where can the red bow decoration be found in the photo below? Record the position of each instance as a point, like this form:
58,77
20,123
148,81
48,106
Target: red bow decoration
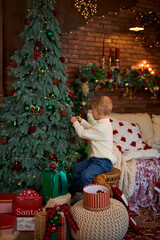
71,94
37,54
51,212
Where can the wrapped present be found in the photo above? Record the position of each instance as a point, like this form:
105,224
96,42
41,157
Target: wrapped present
25,224
7,224
6,202
59,200
27,204
60,232
54,223
40,225
54,182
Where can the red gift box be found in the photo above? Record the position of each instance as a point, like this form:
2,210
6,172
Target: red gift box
7,224
27,204
6,202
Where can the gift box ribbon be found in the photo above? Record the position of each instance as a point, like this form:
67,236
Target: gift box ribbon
51,212
59,183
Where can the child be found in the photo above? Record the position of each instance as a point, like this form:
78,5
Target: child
101,157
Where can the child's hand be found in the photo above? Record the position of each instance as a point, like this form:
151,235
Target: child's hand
73,119
79,118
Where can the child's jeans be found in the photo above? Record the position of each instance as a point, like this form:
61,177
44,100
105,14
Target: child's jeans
85,171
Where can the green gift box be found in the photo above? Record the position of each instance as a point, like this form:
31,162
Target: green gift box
54,184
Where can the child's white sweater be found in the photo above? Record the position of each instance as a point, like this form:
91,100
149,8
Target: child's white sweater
100,136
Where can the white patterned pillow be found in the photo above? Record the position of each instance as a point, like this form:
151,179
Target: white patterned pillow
127,136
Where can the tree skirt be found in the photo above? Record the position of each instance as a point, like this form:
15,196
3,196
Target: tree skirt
148,221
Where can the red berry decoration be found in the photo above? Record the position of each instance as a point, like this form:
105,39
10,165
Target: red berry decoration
63,113
4,141
32,129
16,166
38,43
62,59
56,81
27,21
52,156
53,165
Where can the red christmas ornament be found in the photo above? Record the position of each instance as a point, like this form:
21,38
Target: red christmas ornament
94,71
13,91
4,141
53,229
52,156
62,59
38,43
53,165
56,81
63,113
13,64
27,21
100,192
32,129
54,13
16,166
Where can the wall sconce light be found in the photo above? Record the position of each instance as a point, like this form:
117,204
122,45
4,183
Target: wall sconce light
137,26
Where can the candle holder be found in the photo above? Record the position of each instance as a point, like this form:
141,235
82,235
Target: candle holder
117,63
110,62
103,62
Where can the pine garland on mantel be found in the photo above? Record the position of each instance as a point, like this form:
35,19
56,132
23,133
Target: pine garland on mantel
92,77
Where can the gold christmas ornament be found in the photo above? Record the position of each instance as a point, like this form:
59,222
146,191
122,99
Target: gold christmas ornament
85,88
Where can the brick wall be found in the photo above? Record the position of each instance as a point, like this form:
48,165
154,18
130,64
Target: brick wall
84,45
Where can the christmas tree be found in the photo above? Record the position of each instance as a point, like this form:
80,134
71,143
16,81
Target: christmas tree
35,120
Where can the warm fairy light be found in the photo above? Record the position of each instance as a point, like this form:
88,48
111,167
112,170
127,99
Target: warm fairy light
145,66
86,8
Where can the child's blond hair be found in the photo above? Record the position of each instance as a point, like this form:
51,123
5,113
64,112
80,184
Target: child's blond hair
102,104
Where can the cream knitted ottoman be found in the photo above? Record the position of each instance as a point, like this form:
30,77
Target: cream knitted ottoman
109,224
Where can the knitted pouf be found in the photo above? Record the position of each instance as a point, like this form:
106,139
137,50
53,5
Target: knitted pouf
109,224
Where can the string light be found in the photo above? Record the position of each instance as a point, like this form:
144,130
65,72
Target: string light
86,8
